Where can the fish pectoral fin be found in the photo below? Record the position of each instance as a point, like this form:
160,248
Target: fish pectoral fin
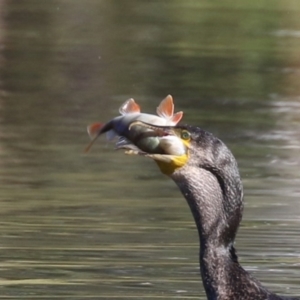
166,108
129,107
93,129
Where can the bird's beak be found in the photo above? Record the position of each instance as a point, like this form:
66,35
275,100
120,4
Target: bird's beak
175,154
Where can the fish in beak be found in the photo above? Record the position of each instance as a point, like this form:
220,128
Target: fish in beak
141,137
173,143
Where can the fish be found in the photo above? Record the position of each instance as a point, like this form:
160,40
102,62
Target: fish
168,142
140,137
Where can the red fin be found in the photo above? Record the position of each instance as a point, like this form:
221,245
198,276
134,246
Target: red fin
177,117
94,129
129,107
166,108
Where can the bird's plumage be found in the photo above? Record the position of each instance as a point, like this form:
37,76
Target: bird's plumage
209,179
207,174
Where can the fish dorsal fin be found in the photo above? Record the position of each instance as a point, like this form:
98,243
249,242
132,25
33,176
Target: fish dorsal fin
166,108
129,107
177,117
93,129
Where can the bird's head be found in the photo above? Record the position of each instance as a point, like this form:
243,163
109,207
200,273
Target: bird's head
205,171
175,143
181,145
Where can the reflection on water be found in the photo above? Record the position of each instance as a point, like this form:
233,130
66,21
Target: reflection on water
106,226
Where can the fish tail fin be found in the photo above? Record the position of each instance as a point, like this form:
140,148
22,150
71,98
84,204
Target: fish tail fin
176,117
166,108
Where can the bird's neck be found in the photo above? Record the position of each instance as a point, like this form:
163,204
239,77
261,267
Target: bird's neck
217,223
217,265
224,278
215,202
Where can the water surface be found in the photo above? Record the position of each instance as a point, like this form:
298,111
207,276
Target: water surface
109,226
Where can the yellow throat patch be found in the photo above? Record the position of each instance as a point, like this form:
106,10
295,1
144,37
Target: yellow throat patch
175,163
170,163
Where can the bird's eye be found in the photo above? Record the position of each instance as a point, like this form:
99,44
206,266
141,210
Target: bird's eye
185,135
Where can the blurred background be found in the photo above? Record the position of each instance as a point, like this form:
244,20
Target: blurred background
108,226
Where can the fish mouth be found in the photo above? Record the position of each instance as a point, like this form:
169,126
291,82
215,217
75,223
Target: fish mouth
173,152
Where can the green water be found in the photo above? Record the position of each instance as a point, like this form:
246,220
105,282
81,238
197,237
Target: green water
109,226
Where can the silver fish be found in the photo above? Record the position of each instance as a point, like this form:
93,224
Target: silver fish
138,136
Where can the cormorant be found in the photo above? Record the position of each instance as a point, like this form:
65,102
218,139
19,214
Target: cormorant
208,177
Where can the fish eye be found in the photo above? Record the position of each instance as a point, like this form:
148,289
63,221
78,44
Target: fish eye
185,135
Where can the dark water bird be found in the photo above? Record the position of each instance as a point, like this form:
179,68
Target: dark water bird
208,177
